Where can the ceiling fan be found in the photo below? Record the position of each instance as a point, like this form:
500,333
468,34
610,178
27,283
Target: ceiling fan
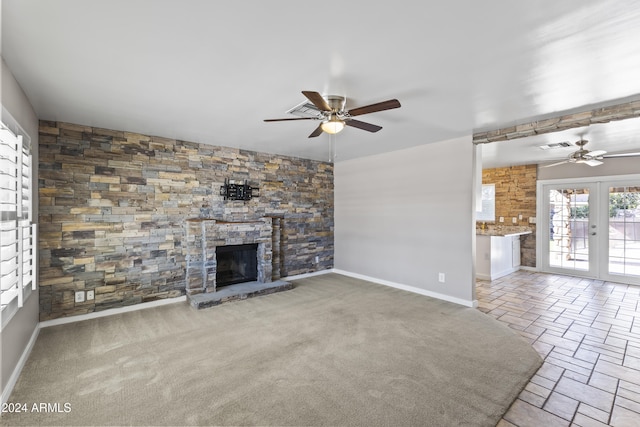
591,158
334,117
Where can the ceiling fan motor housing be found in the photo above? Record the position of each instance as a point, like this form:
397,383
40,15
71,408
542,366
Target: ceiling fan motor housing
336,102
578,155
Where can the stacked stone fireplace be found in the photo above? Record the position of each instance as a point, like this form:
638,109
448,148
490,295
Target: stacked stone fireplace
205,236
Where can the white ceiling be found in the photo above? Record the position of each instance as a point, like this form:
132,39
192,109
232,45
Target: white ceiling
211,71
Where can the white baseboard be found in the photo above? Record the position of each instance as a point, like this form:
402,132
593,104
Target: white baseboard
305,275
111,312
437,295
13,379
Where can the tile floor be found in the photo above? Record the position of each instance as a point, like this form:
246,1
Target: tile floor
588,333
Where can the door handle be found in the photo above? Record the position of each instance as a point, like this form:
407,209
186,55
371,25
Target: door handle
593,234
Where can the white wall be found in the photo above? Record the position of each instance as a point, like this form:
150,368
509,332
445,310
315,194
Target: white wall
405,216
610,167
17,334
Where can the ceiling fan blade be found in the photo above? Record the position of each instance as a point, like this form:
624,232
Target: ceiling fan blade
596,153
362,125
286,120
555,164
380,106
622,155
317,100
316,132
592,162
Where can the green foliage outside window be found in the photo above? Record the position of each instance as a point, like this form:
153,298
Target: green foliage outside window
580,211
621,202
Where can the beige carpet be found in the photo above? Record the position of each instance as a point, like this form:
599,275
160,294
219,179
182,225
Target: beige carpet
333,351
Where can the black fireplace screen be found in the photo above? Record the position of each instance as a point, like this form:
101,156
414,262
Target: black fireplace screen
236,264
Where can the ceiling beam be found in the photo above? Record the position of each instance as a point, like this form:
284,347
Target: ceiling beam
607,114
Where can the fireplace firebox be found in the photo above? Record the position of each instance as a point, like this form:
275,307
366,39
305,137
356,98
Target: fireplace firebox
236,264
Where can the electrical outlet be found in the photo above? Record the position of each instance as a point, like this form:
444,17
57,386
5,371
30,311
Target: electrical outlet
317,259
79,296
91,295
514,220
501,219
520,217
532,220
441,277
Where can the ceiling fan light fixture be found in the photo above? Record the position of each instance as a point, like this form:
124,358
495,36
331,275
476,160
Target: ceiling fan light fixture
333,125
332,115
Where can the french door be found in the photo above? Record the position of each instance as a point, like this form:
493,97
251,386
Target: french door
570,239
590,228
623,221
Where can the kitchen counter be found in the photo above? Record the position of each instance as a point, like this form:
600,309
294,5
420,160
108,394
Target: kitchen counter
502,233
498,251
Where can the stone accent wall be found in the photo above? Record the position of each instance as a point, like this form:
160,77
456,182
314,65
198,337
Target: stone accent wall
516,195
113,207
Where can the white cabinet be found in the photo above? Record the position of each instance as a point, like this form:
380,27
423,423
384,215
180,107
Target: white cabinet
496,256
515,251
483,257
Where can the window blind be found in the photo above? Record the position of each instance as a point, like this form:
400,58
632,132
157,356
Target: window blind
17,233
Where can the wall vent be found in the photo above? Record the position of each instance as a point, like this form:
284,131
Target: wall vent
563,144
306,109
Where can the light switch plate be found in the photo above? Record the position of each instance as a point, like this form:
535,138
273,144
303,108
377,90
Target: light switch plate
501,219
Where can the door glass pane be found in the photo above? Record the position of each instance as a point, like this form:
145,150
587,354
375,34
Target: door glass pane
569,228
624,231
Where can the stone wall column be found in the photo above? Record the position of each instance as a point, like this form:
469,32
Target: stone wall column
194,259
275,247
209,268
265,252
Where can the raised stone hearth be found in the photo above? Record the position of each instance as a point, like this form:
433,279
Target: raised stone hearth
239,291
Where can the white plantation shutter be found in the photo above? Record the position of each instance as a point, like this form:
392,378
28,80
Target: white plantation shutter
17,233
25,226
